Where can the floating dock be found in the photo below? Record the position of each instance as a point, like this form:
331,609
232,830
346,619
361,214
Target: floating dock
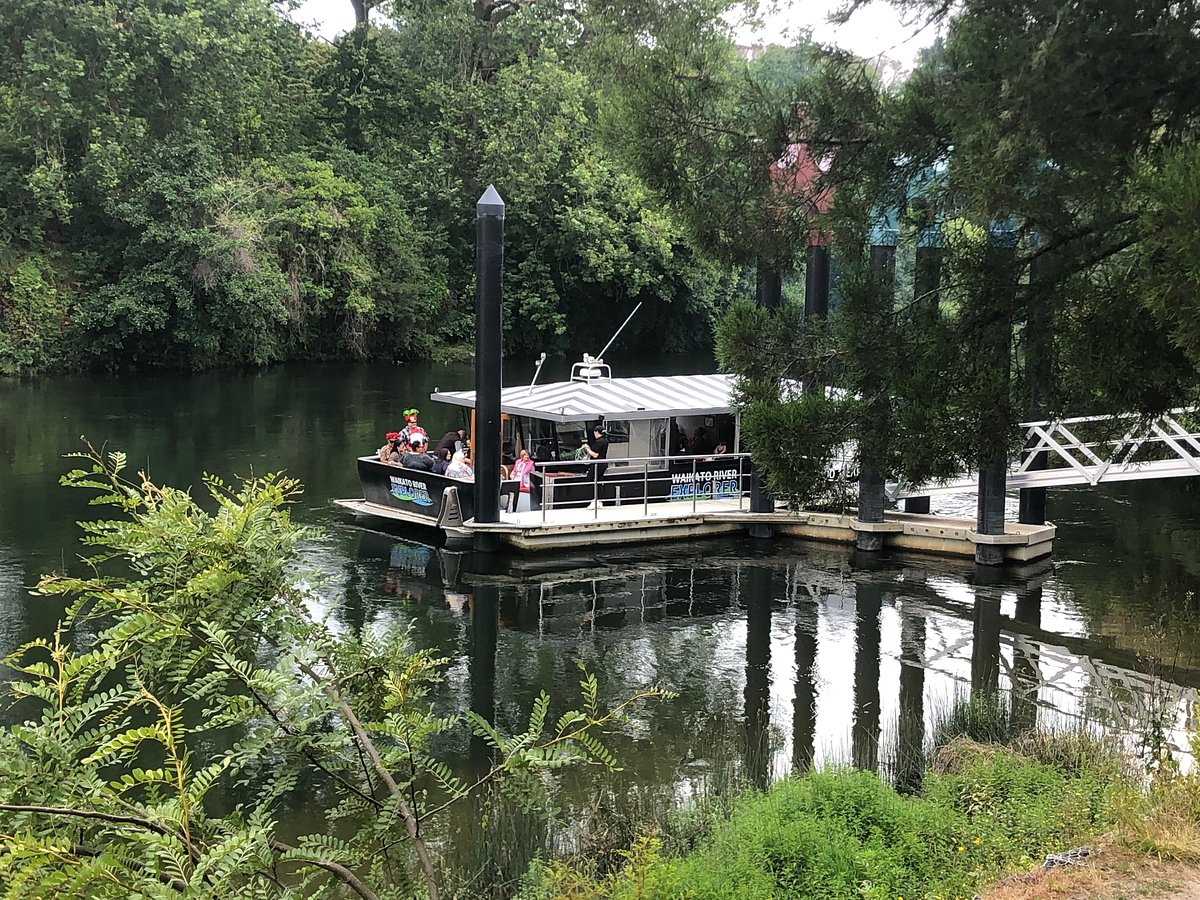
558,529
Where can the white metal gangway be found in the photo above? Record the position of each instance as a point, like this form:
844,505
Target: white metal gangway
1091,450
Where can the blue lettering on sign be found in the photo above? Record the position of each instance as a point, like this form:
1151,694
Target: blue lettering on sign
410,491
684,489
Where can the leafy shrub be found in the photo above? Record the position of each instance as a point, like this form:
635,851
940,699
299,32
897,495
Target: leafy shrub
848,834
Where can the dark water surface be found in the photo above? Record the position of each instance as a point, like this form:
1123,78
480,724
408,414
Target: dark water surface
782,652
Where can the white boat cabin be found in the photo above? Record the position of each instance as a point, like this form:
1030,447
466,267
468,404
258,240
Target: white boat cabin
654,417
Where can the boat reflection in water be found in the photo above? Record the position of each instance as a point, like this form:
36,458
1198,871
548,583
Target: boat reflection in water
783,659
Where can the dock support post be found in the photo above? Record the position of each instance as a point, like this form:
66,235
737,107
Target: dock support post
489,266
816,281
989,512
871,496
768,294
1032,503
927,281
1038,375
995,353
768,286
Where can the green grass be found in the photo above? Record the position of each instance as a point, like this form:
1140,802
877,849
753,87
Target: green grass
847,833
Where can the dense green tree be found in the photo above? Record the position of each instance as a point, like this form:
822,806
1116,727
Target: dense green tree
192,184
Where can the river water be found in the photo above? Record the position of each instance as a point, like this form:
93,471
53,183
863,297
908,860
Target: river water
782,653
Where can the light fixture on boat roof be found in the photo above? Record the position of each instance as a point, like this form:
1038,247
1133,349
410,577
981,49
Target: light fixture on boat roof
592,368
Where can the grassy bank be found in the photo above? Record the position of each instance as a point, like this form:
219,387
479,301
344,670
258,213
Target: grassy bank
983,811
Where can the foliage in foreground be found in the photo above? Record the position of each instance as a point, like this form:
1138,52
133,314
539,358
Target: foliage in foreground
190,670
848,834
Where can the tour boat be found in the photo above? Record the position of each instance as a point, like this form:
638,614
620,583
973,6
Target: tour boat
645,420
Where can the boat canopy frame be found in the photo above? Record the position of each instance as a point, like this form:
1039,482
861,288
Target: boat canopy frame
652,397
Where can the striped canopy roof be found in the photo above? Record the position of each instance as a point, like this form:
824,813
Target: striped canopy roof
618,398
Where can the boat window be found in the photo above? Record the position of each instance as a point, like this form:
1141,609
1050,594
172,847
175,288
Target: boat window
543,440
701,434
618,440
570,438
510,439
646,437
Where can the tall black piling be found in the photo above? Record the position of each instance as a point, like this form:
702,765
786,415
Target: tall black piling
871,496
995,350
1038,375
816,281
768,293
927,291
489,267
768,285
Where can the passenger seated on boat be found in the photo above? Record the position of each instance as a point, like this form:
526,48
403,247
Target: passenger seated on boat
459,467
720,448
679,444
416,457
441,461
450,441
390,451
700,442
522,469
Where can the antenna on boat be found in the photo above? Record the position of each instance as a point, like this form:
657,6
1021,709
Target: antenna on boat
593,368
600,355
536,372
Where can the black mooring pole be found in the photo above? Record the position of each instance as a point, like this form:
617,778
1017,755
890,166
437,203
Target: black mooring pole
768,294
1038,374
816,281
995,352
872,498
489,265
927,280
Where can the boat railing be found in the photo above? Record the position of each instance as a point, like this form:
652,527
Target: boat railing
718,484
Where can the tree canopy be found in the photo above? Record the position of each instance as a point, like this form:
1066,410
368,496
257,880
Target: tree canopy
193,184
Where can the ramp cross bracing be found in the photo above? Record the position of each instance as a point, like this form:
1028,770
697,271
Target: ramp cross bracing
1091,450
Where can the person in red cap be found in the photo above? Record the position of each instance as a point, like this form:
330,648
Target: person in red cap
390,452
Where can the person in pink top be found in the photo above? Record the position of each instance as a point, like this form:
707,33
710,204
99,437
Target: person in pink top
522,469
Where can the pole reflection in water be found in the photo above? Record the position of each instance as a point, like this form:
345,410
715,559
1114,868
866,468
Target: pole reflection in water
868,603
985,643
758,677
910,741
804,706
1026,678
485,610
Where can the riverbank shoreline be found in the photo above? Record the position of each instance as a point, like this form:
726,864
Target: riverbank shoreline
1032,815
1113,874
